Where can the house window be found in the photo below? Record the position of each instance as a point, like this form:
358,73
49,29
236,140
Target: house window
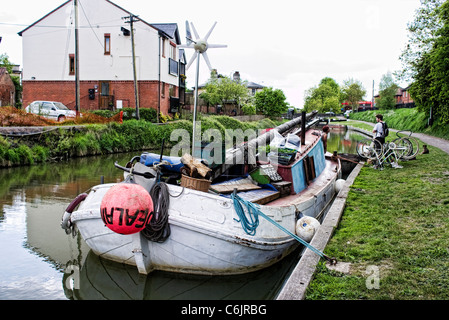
172,67
162,89
163,48
107,43
172,51
172,91
71,64
172,63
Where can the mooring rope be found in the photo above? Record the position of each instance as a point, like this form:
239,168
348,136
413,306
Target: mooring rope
158,229
250,224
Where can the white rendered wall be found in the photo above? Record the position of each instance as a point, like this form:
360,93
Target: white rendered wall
47,45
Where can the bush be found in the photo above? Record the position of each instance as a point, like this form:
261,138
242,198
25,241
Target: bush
147,114
249,110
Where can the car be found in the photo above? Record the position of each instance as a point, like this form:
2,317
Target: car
50,109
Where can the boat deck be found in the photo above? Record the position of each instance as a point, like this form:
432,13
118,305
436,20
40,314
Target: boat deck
331,169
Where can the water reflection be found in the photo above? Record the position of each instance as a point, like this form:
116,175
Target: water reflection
342,140
102,279
35,251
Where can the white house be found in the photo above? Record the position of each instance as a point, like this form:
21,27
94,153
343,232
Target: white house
105,58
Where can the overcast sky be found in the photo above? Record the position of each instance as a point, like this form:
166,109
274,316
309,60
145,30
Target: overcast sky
284,44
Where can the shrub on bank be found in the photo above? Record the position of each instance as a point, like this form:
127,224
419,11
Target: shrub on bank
97,139
405,119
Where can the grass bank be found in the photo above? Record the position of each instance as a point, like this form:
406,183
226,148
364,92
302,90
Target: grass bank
405,119
393,232
98,139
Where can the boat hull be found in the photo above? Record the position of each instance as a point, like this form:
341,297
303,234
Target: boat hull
206,235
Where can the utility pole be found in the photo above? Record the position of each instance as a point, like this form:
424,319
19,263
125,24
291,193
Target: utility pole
131,19
77,62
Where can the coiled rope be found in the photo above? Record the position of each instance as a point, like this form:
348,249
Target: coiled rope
158,229
250,222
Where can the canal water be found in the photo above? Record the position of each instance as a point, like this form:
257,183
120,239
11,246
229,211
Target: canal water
39,261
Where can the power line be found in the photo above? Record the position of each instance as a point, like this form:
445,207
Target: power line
90,25
55,27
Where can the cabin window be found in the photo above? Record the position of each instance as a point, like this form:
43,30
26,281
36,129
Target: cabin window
107,43
71,64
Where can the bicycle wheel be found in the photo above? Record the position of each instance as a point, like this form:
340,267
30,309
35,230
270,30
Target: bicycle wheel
369,149
413,150
412,142
403,147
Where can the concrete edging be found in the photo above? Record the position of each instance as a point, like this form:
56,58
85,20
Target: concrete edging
296,285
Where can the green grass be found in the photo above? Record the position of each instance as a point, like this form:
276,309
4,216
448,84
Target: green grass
405,119
396,220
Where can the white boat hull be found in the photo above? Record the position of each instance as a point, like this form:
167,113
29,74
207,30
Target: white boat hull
206,236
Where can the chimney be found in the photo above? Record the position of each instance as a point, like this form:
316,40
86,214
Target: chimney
236,76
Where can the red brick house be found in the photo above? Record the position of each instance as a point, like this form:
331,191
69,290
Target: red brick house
7,89
105,59
403,98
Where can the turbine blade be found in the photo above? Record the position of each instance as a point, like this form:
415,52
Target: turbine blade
217,46
185,46
210,31
194,31
188,33
206,58
191,60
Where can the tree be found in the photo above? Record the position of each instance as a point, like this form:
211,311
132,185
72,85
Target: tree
353,92
422,34
270,102
221,90
387,92
430,90
325,97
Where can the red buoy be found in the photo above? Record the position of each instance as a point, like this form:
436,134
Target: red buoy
126,208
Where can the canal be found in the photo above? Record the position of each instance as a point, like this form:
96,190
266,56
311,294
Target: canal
36,255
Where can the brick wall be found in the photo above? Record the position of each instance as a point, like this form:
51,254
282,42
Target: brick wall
64,91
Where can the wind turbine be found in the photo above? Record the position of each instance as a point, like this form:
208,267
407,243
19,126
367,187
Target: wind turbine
200,45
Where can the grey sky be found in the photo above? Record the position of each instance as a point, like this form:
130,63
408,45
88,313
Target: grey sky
290,45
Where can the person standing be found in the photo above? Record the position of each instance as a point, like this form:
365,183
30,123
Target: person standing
379,129
326,130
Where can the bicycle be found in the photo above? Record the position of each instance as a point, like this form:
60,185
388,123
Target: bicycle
401,148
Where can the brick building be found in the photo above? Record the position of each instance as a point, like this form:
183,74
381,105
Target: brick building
7,89
105,59
403,98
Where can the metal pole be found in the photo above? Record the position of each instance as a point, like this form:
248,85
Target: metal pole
195,104
303,127
136,87
77,68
